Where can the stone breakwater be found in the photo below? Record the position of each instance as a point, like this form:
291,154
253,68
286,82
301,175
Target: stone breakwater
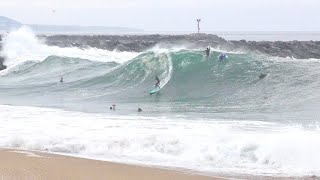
2,66
140,43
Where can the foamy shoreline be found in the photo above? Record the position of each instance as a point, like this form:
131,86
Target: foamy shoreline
221,148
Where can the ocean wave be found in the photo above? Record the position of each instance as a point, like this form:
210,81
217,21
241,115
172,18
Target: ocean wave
236,147
186,76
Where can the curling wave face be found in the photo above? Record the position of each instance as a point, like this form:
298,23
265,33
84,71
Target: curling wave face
190,83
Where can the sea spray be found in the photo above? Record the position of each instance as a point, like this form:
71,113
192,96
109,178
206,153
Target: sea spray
22,45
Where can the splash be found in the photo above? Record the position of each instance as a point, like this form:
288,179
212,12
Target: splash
22,45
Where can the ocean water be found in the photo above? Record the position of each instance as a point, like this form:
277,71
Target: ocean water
211,116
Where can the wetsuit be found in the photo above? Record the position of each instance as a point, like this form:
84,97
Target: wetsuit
158,82
207,52
222,56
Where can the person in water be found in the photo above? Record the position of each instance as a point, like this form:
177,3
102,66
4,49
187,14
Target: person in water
139,110
262,76
157,85
207,51
61,80
222,56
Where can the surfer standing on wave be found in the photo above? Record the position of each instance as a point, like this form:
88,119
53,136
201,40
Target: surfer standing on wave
157,85
208,51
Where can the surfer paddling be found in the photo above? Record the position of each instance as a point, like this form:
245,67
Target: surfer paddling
262,76
223,56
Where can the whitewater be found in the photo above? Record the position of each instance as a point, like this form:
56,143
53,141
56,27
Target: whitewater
210,116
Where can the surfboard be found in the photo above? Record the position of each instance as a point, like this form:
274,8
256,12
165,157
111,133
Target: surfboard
155,90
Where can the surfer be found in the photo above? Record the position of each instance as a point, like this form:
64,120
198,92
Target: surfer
207,52
157,85
139,110
222,56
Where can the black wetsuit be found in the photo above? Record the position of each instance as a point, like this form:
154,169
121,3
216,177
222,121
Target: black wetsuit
207,52
262,76
222,57
158,82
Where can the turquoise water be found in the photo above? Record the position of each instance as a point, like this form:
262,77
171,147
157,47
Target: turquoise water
190,84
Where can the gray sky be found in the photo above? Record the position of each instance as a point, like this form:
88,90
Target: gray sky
170,15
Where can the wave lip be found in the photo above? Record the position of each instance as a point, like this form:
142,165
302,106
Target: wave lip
23,44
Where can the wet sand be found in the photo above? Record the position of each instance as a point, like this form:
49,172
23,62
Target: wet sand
16,164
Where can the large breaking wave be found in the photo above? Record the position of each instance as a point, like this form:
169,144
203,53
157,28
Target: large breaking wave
189,81
209,115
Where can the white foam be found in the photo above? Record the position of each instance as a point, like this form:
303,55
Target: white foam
160,49
252,147
22,45
218,49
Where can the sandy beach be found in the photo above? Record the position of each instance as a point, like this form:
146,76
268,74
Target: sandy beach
16,164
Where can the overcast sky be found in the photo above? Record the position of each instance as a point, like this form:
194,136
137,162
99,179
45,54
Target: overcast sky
170,15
